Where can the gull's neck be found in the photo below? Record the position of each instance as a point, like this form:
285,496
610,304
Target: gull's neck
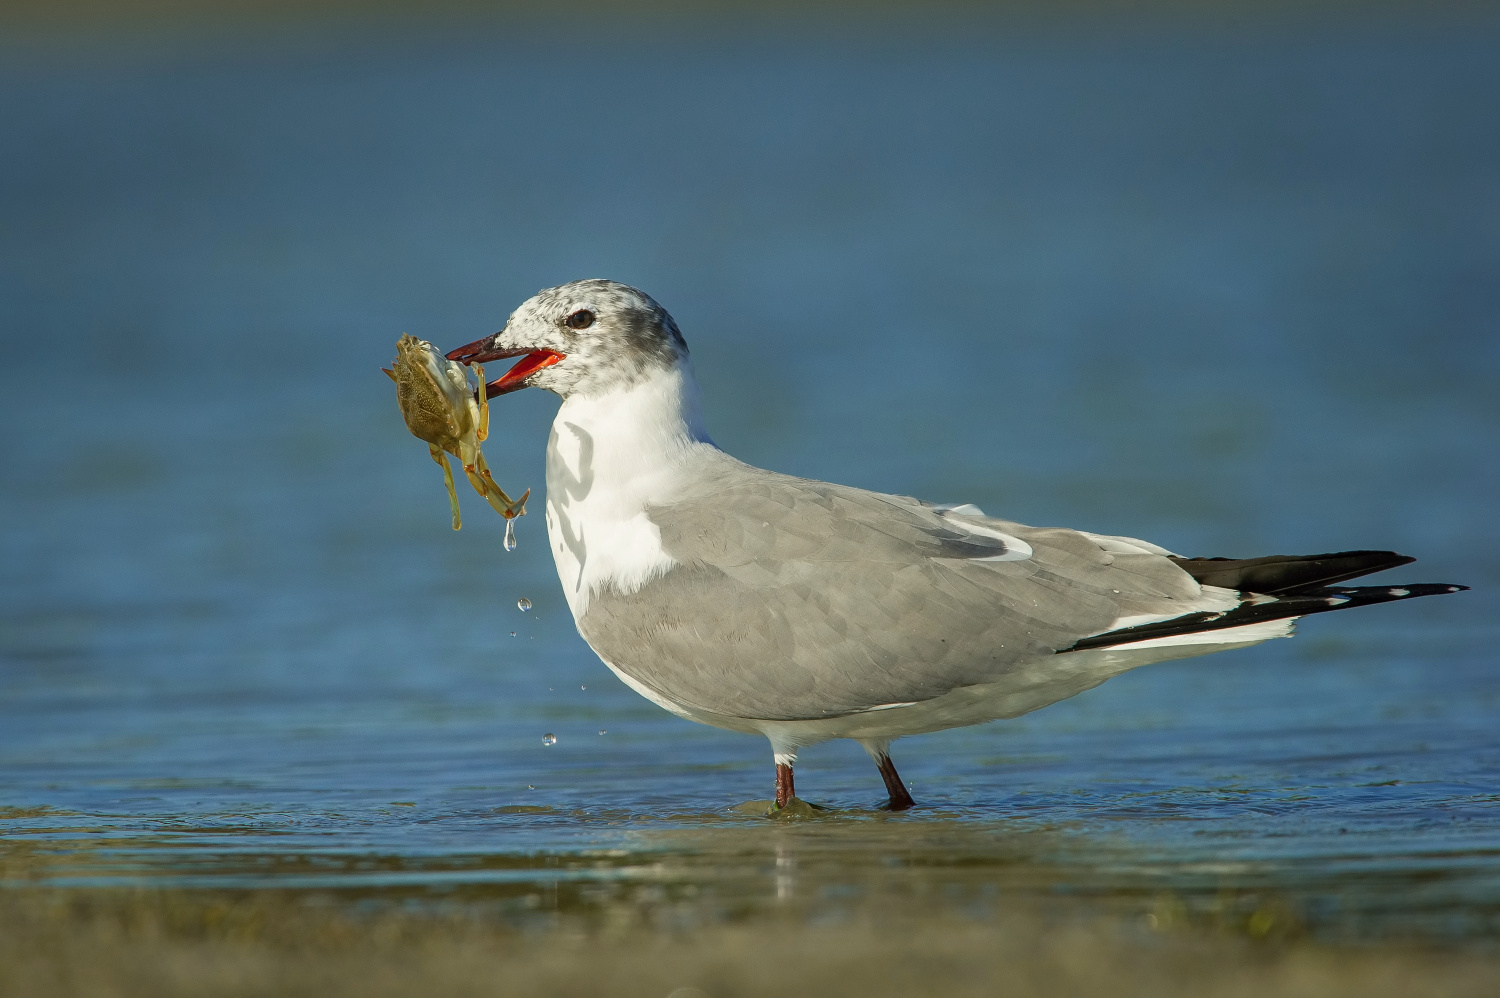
611,456
635,432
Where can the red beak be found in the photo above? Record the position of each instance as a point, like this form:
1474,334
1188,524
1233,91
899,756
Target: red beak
482,351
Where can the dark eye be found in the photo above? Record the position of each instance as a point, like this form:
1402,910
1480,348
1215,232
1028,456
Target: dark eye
581,319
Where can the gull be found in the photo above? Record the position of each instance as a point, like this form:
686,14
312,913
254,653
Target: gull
804,611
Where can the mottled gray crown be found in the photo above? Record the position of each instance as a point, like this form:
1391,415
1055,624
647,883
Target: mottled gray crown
629,338
635,317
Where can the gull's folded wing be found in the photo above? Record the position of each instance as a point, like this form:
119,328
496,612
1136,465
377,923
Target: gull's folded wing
794,599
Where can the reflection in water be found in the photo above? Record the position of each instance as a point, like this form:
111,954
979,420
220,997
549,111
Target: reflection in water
786,870
712,867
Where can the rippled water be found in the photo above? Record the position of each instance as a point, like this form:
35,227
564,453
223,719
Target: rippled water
1231,292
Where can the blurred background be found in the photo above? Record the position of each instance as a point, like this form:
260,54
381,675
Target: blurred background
1227,278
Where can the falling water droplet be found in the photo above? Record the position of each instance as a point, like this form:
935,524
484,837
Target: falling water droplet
524,604
510,535
549,739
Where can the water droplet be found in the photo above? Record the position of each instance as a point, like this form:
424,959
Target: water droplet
510,534
603,731
524,604
549,739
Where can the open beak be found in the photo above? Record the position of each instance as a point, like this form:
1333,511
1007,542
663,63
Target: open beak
483,351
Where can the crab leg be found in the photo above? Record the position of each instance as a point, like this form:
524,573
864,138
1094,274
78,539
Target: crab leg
484,405
484,483
442,460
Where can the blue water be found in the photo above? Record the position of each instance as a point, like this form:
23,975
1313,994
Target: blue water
1230,289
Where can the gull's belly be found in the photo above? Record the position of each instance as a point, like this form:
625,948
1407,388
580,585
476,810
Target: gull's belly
1031,687
1036,684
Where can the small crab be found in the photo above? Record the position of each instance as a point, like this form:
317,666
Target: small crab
442,408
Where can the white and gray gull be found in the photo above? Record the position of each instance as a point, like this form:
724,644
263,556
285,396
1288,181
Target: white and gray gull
803,610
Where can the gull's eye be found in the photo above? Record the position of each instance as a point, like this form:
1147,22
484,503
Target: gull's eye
581,319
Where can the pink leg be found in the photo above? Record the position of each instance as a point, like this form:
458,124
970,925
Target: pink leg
785,790
900,799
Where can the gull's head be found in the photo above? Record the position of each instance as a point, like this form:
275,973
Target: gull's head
583,338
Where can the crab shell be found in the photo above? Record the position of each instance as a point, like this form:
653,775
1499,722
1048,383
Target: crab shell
440,408
435,398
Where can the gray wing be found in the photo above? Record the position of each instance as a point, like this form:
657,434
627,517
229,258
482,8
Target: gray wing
796,599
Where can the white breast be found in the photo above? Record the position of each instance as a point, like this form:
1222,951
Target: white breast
609,458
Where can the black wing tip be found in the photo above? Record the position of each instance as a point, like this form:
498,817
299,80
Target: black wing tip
1409,590
1301,603
1371,554
1280,574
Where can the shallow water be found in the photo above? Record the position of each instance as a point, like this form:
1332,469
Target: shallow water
1233,292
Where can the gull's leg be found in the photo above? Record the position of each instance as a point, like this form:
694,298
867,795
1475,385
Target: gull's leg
785,788
785,753
878,748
